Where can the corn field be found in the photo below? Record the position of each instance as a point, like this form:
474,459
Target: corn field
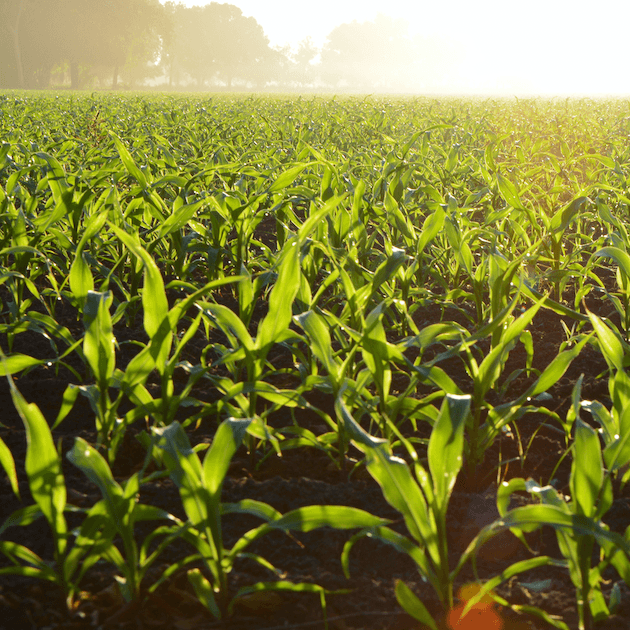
283,362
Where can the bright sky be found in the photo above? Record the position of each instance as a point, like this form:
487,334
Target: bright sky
538,47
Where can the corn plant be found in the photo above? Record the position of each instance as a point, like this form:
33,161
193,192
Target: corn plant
557,227
485,421
615,423
621,299
200,487
246,359
160,324
47,486
577,521
116,515
422,497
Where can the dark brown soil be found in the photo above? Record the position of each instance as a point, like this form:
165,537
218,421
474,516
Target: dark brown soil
304,477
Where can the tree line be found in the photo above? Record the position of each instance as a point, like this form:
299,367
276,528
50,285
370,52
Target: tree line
135,43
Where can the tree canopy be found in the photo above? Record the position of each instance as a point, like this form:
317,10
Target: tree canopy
81,34
211,46
216,42
376,54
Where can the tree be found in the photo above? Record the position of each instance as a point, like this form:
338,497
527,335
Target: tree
240,46
303,59
124,35
173,44
218,42
114,33
135,37
11,15
374,55
27,42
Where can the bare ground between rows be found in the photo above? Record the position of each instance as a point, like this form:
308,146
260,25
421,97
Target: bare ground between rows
304,477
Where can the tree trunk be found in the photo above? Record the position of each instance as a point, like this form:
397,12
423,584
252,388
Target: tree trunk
16,46
171,71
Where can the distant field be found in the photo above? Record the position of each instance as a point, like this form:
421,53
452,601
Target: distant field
403,317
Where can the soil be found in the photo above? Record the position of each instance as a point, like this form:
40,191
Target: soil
303,477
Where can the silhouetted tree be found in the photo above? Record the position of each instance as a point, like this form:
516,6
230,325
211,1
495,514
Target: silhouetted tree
114,33
376,54
28,49
82,33
11,14
303,57
174,43
217,41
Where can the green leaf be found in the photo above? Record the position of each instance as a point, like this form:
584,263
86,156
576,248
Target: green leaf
587,471
98,342
204,592
229,322
446,446
556,369
43,467
619,256
278,318
96,469
179,218
338,516
316,217
8,463
558,518
226,441
288,177
514,569
38,568
249,506
611,347
70,395
509,192
185,470
128,161
319,341
398,485
387,269
15,363
432,226
413,606
491,366
81,280
154,301
561,219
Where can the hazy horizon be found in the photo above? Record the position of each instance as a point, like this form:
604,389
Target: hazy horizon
549,47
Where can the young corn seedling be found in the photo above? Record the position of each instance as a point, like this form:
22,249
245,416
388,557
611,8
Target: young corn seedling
621,300
200,487
577,521
99,351
247,357
115,515
615,423
421,496
556,227
318,335
423,500
160,324
47,486
483,428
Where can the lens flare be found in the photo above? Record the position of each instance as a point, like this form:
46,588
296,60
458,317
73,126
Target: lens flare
482,616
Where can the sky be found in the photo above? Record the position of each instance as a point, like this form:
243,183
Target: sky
541,47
